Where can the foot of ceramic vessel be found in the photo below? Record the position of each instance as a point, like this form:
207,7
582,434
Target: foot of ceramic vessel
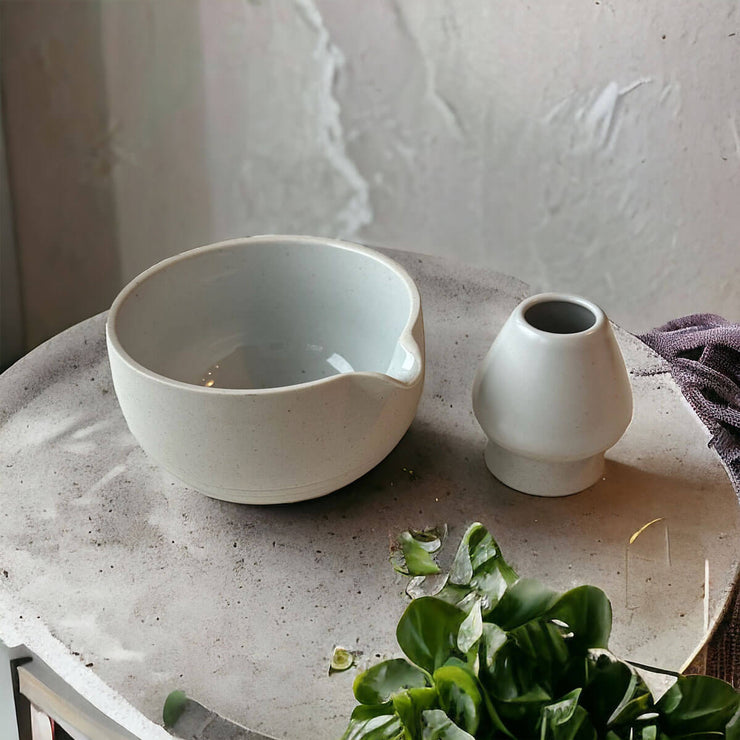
543,477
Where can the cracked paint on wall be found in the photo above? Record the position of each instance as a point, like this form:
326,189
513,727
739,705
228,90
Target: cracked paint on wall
357,212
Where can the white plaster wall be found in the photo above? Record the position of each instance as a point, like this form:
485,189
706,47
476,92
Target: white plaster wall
579,145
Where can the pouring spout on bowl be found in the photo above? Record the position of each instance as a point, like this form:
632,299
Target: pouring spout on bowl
407,363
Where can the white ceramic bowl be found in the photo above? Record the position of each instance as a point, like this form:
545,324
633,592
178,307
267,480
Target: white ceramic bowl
269,369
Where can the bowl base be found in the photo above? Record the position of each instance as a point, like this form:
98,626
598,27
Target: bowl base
269,497
543,477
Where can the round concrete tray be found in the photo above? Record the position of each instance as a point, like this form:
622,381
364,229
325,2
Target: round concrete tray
108,562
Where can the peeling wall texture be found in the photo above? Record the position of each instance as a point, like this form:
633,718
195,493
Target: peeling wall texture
591,147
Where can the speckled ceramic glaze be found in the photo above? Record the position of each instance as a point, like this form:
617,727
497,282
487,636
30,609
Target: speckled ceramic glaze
269,369
552,395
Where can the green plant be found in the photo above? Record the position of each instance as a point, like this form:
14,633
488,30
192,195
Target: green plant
491,655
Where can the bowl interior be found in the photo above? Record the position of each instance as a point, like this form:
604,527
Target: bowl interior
264,314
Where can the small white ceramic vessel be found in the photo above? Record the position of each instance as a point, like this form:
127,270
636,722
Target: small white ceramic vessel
269,369
552,395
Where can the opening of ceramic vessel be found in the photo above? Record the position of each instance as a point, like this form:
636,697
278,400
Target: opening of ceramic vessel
560,317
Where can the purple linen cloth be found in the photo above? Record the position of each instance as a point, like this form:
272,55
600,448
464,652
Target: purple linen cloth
703,351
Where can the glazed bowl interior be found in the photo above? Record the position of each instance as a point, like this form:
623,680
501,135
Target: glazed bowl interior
266,313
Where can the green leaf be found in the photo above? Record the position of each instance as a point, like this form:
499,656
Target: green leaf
476,548
366,711
492,653
490,583
557,715
566,720
493,638
438,726
648,732
479,565
732,731
544,647
378,727
588,613
409,707
379,684
459,662
513,678
471,629
455,595
494,718
542,641
697,704
459,696
417,554
461,571
614,694
174,706
427,632
522,601
636,702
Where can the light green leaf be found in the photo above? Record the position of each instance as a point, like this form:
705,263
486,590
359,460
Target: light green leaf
379,727
479,564
417,550
560,711
455,595
471,629
427,632
459,696
409,707
461,571
649,732
379,684
565,720
438,726
493,638
490,583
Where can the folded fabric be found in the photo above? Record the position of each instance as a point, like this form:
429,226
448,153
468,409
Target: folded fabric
703,352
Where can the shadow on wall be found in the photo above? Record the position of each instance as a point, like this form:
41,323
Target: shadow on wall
11,327
72,75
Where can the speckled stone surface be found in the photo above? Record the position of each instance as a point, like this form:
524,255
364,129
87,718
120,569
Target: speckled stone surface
106,560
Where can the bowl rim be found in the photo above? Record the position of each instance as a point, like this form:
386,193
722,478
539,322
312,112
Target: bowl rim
405,338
